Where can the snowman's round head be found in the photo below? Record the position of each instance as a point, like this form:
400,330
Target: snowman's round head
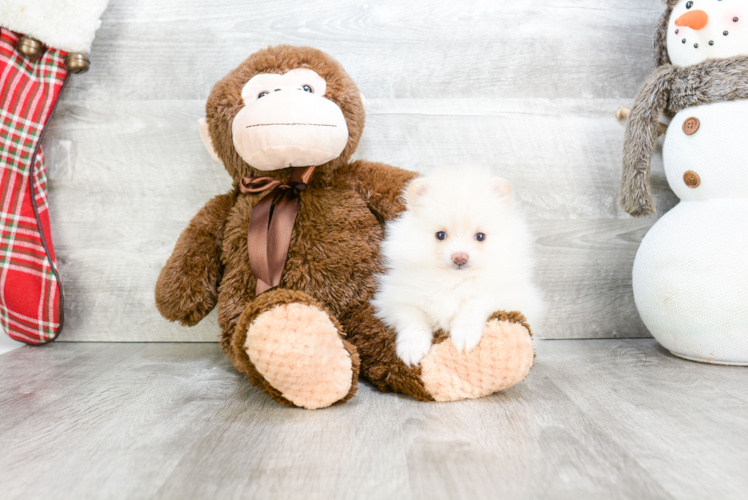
692,31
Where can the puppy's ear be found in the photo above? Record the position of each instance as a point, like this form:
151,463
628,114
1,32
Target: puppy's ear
415,192
202,123
502,188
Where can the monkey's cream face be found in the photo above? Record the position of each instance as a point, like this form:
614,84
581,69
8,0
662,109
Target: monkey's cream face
707,29
287,122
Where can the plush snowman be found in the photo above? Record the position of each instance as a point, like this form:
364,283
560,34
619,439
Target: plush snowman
690,275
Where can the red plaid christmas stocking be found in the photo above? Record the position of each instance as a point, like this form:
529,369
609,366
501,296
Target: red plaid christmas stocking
30,287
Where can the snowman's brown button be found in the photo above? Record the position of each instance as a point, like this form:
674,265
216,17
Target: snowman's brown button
691,126
691,179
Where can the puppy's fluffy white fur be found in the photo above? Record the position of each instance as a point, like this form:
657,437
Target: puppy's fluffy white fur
424,289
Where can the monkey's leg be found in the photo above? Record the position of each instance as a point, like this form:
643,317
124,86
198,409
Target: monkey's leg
502,358
380,364
291,347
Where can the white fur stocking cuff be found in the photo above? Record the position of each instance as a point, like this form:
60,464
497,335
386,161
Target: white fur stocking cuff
68,25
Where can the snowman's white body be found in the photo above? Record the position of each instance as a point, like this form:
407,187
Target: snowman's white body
690,275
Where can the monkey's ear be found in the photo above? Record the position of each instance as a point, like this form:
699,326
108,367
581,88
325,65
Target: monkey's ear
415,192
202,123
502,188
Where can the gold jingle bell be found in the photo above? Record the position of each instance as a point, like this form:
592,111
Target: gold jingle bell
77,62
30,47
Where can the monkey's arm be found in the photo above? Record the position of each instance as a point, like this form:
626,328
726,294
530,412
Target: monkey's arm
380,185
187,288
642,130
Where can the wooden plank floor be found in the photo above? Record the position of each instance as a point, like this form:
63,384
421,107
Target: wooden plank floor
595,419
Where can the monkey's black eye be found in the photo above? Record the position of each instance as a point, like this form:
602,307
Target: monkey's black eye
480,236
689,5
308,88
441,235
262,94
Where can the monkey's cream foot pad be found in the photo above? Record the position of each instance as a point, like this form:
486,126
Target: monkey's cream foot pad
298,350
502,358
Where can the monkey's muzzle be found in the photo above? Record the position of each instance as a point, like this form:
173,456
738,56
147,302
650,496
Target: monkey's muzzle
289,128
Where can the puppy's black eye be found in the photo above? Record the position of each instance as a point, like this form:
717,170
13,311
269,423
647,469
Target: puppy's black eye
441,235
262,94
308,88
689,5
480,236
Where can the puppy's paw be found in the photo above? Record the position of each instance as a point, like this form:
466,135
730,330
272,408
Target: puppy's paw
466,335
413,345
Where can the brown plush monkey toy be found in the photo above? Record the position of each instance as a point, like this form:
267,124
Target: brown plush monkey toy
291,253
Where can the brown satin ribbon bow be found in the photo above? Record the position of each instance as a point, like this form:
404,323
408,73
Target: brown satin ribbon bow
271,223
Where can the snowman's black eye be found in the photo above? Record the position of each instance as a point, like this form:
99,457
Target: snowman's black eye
689,5
725,33
735,19
441,235
262,94
480,236
308,88
695,45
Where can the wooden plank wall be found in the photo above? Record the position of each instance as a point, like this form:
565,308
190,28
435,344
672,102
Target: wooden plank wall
529,88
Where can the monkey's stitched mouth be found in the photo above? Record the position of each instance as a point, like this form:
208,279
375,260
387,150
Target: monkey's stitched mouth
306,124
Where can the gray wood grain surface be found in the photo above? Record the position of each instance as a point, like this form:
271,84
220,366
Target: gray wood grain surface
594,419
529,89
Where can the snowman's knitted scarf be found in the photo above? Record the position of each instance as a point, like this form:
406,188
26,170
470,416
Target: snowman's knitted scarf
659,39
668,90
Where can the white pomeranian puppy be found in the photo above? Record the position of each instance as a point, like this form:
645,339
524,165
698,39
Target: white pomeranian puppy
460,252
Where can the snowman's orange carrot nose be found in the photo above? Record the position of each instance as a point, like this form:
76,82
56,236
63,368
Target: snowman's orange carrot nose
695,19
